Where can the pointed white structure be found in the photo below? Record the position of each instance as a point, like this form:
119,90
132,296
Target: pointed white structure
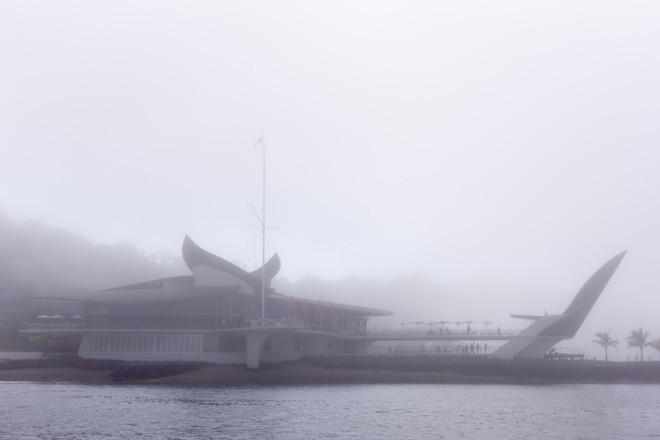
546,331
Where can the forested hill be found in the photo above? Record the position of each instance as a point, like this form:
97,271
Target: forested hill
39,259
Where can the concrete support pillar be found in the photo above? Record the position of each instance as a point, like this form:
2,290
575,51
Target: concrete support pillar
254,346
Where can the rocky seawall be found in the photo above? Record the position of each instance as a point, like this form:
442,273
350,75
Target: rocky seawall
334,370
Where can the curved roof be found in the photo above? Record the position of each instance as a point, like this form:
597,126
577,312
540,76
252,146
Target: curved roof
195,256
183,288
181,281
150,292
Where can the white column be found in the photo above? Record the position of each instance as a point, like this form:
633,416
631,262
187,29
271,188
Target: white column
254,347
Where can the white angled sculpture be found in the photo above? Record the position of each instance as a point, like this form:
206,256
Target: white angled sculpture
546,331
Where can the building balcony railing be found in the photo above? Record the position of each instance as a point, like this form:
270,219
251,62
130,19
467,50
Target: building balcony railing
283,322
110,324
55,326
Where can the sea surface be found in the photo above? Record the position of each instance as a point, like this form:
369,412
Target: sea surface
68,411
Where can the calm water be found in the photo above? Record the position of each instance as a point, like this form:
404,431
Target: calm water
65,411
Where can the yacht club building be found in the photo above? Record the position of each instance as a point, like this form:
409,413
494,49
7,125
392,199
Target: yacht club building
213,315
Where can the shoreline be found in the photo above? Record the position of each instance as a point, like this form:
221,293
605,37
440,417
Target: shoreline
334,370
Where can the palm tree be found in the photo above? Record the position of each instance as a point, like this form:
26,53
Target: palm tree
637,338
655,344
605,340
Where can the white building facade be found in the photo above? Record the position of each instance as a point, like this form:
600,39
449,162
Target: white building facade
213,315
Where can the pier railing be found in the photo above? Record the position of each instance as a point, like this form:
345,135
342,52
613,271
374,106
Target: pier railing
453,334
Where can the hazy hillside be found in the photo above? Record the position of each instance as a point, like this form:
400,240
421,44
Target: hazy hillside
40,259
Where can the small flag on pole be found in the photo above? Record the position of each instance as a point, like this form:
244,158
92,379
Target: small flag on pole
259,141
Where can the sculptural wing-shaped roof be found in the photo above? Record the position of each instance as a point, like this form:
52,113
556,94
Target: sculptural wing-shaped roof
195,256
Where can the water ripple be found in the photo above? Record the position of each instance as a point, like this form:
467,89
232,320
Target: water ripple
66,411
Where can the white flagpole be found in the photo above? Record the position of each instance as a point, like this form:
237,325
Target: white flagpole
263,240
262,220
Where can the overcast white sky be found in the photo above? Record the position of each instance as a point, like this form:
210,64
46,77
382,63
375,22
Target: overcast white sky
460,140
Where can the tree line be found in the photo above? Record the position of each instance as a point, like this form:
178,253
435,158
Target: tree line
636,339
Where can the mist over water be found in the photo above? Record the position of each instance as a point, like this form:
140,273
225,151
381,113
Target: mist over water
58,411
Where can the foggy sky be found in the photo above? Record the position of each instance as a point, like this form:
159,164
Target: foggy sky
490,144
